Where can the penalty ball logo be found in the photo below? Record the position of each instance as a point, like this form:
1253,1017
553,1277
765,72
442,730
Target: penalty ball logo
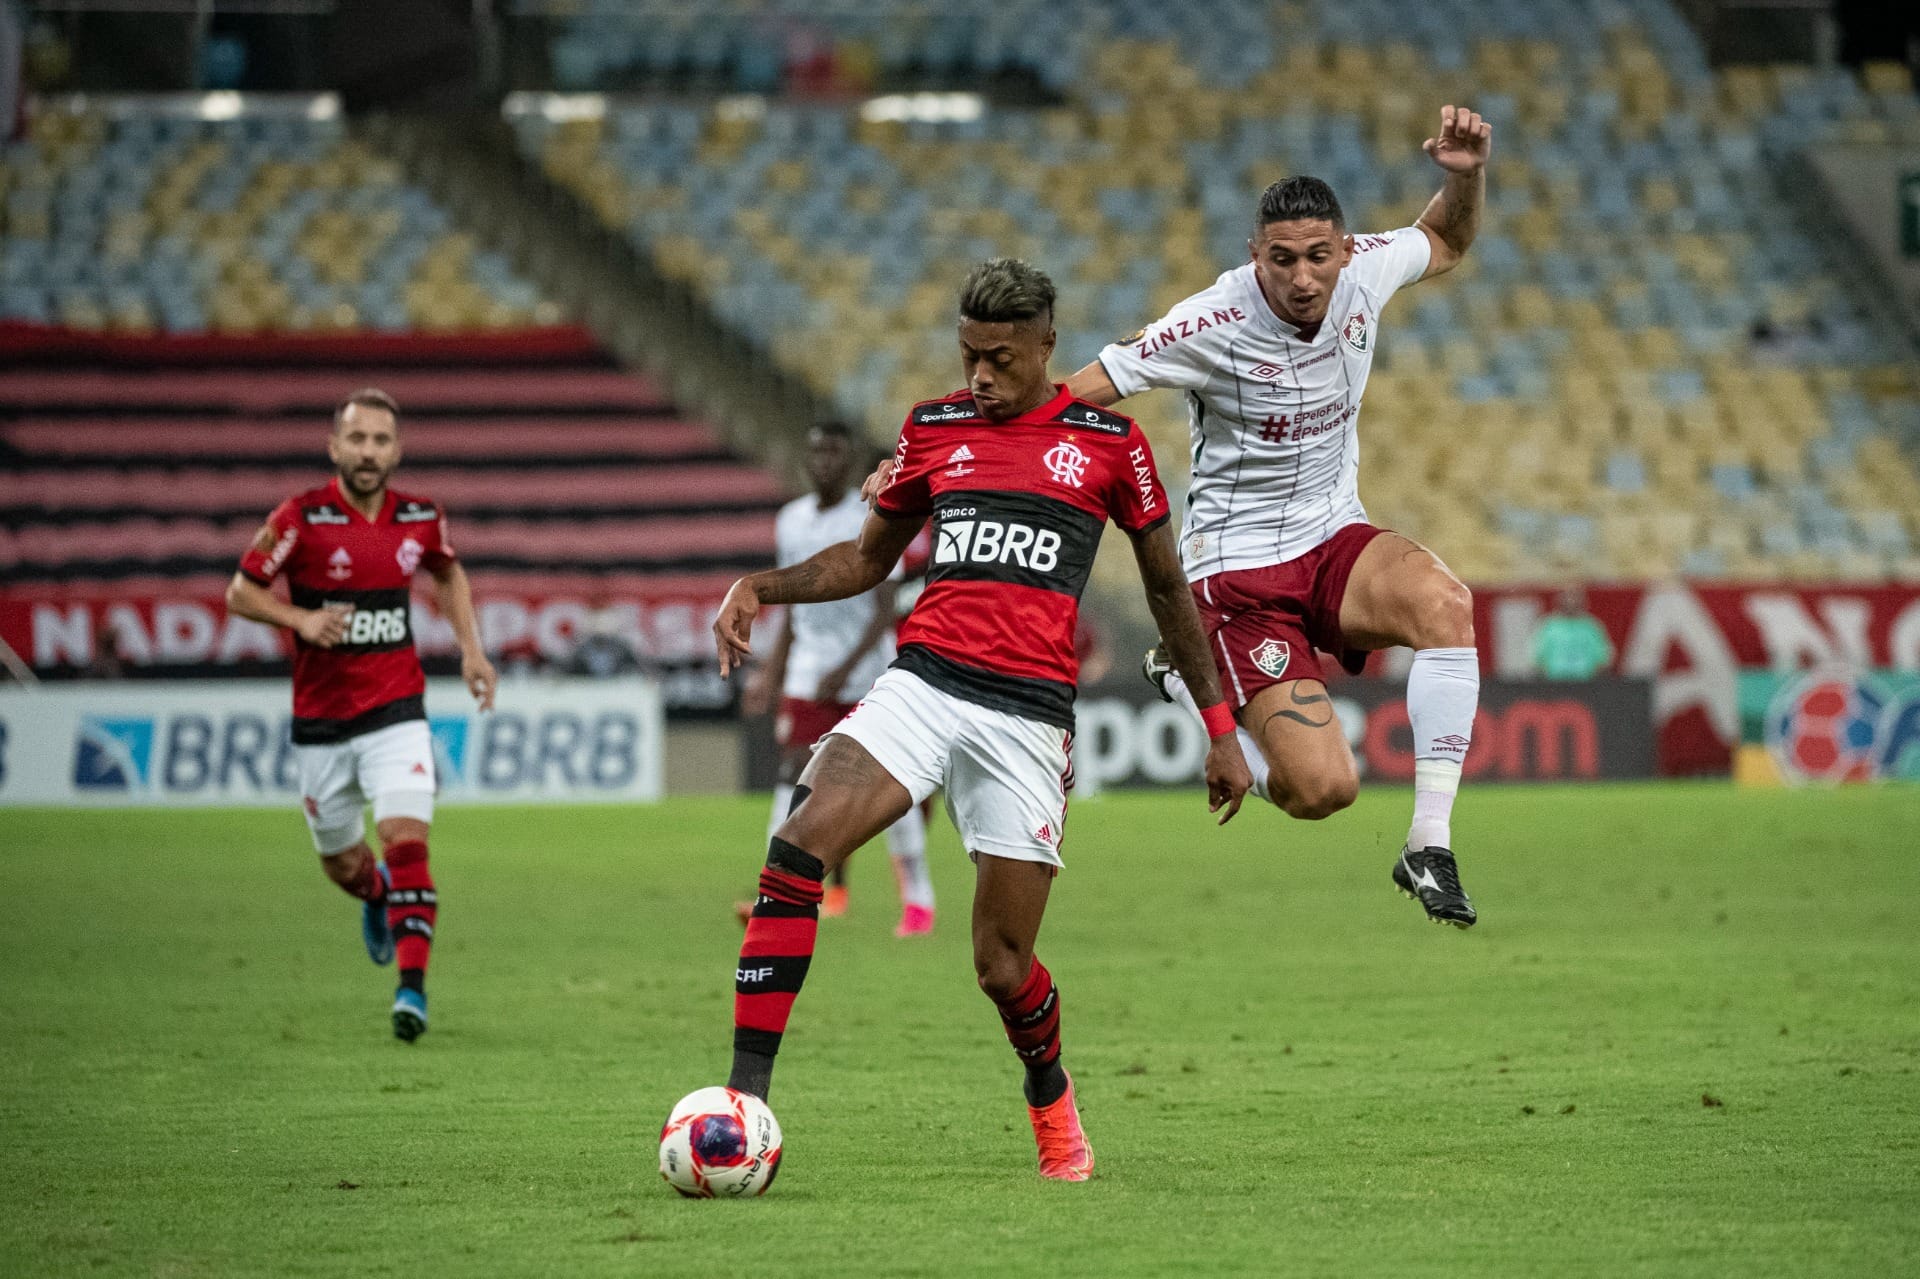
1839,726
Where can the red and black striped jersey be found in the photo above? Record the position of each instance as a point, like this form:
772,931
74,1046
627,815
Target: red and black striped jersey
332,554
1017,509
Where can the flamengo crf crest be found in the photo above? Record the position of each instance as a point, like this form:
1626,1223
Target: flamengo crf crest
1271,657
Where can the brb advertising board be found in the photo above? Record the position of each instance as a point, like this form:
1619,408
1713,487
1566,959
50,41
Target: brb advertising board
1525,730
226,743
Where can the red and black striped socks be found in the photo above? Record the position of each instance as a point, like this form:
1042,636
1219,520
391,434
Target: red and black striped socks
1031,1016
773,961
412,906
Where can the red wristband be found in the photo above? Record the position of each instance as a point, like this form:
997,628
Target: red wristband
1217,718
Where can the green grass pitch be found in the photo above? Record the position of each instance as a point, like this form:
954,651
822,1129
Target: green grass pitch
1685,1039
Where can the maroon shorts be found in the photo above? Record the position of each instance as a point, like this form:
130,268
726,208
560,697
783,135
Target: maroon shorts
1264,624
802,722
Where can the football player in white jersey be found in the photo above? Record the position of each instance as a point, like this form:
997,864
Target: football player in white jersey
1274,358
825,658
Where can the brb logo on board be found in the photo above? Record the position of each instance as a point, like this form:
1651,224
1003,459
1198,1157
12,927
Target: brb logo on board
112,754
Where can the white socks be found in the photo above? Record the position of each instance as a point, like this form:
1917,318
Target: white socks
1256,762
1443,690
907,845
782,801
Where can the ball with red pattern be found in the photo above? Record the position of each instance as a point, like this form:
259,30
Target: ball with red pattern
1823,728
720,1144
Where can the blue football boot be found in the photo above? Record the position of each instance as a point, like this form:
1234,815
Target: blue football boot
409,1014
373,926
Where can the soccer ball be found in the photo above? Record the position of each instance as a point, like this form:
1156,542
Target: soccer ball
720,1144
1823,727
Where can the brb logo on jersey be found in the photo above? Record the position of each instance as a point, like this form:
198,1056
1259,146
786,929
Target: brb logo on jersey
1067,464
996,542
377,626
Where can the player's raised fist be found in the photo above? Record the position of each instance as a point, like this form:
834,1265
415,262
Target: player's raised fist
1464,143
733,628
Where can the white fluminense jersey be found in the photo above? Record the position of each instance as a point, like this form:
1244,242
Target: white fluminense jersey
1274,419
823,634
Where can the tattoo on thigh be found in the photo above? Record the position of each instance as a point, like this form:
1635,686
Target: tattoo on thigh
1315,710
841,762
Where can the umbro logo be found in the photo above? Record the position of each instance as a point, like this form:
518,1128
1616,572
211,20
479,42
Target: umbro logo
961,454
1452,742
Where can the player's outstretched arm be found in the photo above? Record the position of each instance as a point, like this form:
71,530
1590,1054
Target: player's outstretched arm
1452,217
320,627
453,595
1171,601
842,570
1094,385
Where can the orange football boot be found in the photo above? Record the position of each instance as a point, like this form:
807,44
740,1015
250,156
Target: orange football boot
1064,1152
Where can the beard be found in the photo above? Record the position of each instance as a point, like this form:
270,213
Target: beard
364,482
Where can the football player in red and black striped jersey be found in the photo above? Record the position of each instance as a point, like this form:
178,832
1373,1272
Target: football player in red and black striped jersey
1018,477
349,550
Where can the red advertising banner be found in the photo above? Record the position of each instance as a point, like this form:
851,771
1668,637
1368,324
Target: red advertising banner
157,624
1692,639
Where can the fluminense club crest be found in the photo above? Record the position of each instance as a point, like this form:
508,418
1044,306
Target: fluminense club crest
1358,331
1271,656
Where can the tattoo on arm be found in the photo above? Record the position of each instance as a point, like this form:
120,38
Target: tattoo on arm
1454,212
834,574
1314,710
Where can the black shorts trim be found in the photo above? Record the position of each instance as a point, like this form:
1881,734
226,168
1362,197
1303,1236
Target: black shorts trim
325,732
1048,701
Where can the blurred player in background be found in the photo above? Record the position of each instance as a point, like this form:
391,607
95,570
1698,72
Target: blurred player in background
349,551
824,659
1274,358
1019,479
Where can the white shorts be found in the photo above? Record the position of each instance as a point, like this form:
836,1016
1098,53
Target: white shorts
1006,777
392,766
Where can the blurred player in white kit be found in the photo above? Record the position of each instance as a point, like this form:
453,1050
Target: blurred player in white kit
825,658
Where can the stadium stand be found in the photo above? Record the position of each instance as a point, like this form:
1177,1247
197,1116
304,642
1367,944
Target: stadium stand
547,469
192,297
134,219
1645,367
